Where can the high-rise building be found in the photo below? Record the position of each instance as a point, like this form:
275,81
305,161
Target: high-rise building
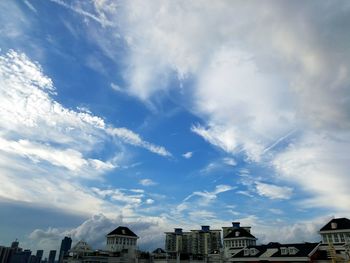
52,256
205,241
5,254
196,242
39,255
66,245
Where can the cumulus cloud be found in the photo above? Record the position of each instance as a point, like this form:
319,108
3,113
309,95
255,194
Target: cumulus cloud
94,230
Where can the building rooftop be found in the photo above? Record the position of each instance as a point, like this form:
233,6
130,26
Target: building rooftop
239,232
337,224
274,249
122,231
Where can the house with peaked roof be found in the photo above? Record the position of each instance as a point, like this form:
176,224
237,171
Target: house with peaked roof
236,238
122,239
336,239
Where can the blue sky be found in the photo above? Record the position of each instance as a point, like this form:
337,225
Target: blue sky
160,114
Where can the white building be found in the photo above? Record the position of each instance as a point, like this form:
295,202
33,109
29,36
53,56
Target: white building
122,239
336,239
236,238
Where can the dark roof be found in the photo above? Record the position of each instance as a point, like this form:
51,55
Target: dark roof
241,232
303,250
341,223
159,251
122,231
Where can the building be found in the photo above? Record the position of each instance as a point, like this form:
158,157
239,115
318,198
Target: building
194,244
65,247
276,252
178,242
336,239
236,238
39,255
20,256
205,241
122,239
52,256
5,254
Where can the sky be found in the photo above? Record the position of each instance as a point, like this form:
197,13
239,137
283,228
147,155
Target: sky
163,114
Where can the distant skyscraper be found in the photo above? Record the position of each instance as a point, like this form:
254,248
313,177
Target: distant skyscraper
66,245
15,244
52,256
39,255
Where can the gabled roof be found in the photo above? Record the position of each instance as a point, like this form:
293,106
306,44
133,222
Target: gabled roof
340,223
239,232
302,250
122,231
81,246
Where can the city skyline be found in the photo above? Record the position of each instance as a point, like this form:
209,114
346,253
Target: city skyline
160,114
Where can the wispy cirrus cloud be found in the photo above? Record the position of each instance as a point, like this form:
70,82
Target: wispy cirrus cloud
273,191
55,143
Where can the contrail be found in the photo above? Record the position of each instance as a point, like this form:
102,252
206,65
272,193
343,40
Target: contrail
279,140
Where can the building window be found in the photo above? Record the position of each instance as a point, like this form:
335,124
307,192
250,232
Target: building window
253,251
246,252
284,251
336,238
292,250
342,237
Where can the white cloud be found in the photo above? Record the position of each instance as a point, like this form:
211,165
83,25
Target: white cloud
51,145
319,165
147,182
187,155
116,87
273,191
207,197
132,138
230,161
95,228
149,201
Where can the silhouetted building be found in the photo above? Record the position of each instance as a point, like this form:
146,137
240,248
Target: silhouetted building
52,256
66,245
39,255
5,254
20,256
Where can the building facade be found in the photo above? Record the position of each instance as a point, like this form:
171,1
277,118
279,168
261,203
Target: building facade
336,239
236,238
194,243
66,245
122,239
